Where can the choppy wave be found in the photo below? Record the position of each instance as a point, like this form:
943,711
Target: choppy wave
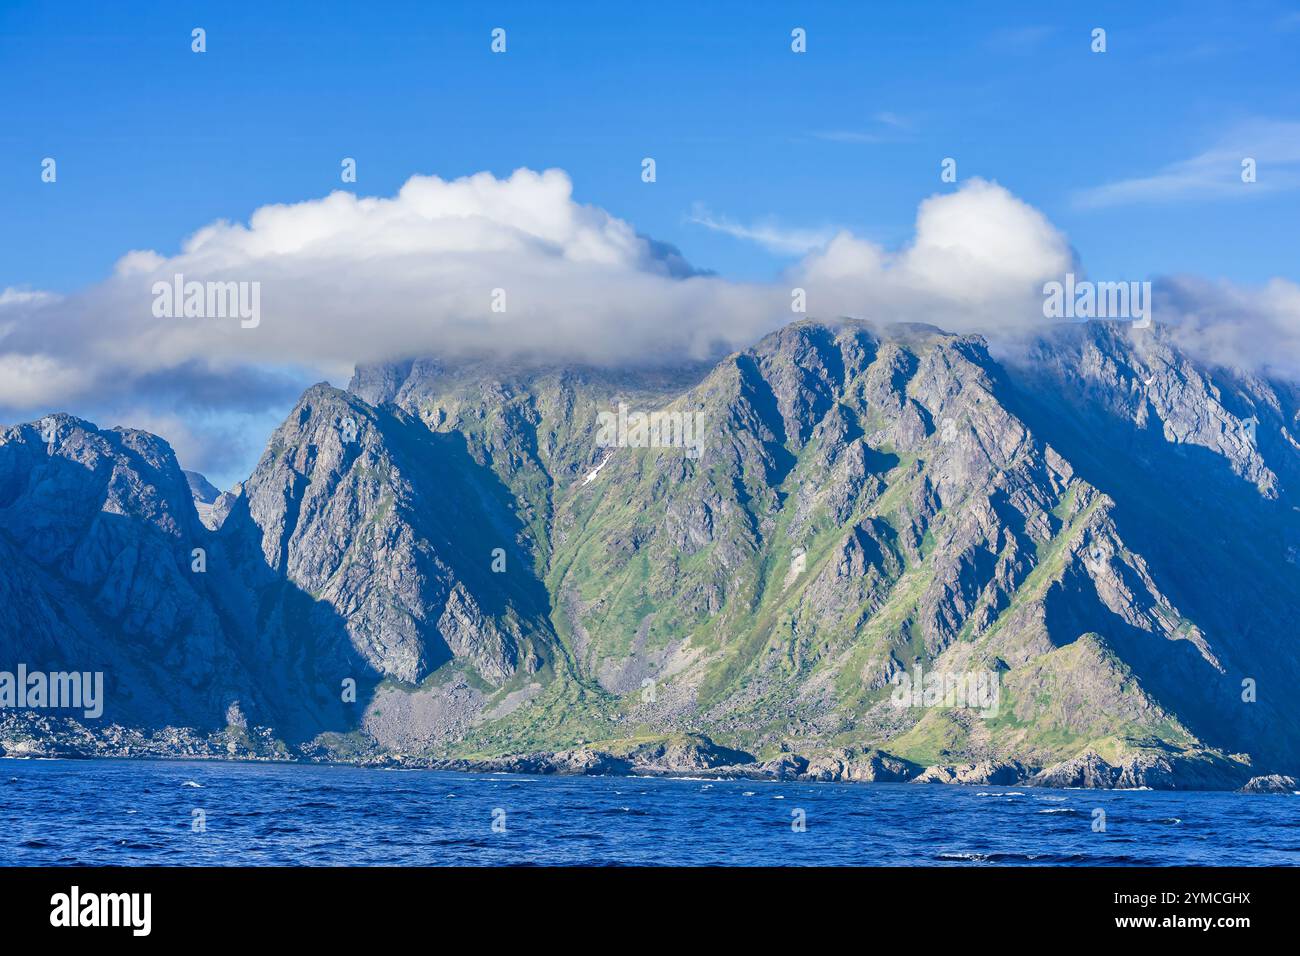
117,812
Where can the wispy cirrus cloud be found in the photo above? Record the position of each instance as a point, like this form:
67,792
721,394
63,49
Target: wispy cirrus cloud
1215,173
883,127
768,234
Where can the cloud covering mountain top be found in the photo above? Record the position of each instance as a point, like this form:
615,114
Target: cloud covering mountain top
517,267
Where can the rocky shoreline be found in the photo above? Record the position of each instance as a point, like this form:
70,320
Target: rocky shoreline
25,736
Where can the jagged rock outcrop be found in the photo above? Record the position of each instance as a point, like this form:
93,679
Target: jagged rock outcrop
850,765
1145,769
1272,783
985,772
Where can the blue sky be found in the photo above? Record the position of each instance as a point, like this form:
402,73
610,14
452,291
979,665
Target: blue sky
153,141
762,154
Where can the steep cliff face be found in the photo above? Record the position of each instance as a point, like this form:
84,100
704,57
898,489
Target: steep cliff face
509,559
393,528
105,570
1200,465
330,566
406,558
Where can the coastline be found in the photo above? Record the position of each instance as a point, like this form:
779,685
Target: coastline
679,756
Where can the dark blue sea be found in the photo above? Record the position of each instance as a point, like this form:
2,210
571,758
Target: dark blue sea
143,813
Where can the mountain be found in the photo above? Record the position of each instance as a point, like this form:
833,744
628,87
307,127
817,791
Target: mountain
729,568
204,491
206,495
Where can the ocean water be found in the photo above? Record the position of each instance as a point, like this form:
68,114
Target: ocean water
124,812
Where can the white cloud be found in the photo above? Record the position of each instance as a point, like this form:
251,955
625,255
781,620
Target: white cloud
1228,324
347,279
1214,173
978,262
24,297
35,380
